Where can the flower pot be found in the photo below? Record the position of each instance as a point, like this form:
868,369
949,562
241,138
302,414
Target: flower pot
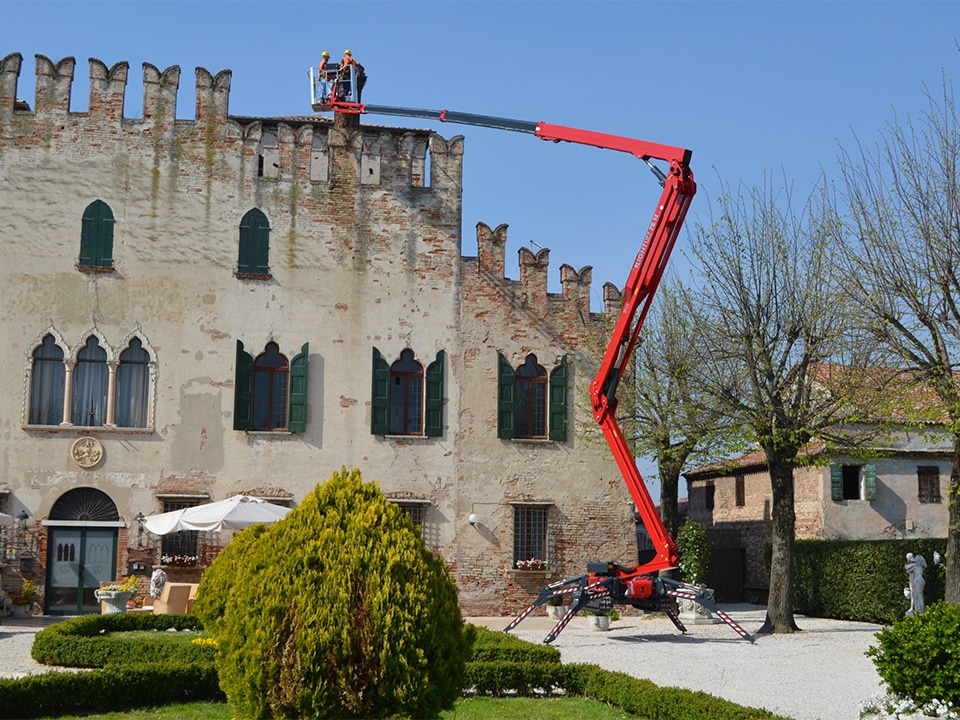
598,623
23,611
693,613
556,611
114,601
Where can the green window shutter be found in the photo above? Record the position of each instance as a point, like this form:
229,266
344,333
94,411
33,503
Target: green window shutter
506,378
433,425
870,482
96,236
836,482
558,402
254,244
380,396
243,390
297,420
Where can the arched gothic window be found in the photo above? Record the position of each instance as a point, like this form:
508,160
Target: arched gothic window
133,386
90,379
47,384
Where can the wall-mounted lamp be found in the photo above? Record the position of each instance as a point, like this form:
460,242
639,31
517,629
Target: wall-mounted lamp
22,518
472,518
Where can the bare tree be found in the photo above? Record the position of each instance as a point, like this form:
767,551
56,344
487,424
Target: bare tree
902,262
770,317
674,423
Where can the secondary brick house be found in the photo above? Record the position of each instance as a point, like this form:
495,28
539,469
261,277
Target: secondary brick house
197,308
898,493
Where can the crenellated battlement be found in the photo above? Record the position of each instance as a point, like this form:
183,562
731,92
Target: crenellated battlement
107,88
299,149
571,307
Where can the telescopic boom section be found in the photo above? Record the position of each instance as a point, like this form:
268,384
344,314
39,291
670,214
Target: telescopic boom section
645,275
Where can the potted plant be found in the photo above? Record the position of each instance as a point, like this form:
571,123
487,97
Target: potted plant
116,595
600,621
555,608
23,603
531,564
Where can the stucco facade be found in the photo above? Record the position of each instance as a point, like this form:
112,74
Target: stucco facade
900,492
360,234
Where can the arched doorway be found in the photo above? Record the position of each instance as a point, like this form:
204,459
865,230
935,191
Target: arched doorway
81,550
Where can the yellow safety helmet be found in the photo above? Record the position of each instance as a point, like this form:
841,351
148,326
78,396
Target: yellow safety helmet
325,54
347,52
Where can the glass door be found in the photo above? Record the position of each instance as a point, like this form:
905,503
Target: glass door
78,559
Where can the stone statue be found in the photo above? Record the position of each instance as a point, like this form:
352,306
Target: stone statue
157,581
915,567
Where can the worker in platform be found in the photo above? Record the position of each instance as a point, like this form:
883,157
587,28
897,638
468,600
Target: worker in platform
345,65
323,84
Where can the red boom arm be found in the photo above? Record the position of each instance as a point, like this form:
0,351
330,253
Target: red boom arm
678,190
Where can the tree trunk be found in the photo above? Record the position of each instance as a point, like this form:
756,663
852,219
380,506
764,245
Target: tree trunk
780,602
952,583
669,486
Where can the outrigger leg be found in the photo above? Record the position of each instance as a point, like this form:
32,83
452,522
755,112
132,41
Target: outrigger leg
692,592
600,593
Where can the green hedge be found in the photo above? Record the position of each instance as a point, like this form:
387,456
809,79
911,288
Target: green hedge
113,688
93,641
493,646
643,698
499,664
637,697
860,580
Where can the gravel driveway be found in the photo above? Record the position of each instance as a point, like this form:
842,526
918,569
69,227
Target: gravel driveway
818,674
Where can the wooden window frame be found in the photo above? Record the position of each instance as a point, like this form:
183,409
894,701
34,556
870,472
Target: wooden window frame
243,398
253,252
96,238
928,484
555,402
842,482
431,397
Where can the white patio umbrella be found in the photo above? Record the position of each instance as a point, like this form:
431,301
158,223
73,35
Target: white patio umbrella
6,520
234,513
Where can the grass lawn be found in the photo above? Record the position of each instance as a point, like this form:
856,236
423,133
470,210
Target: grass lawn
479,708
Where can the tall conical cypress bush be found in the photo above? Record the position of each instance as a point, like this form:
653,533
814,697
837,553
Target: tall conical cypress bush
339,610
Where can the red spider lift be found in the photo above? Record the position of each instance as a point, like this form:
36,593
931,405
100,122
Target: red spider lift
605,584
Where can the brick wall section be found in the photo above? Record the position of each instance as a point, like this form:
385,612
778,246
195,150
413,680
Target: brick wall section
591,517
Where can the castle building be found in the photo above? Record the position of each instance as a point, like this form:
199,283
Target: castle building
199,308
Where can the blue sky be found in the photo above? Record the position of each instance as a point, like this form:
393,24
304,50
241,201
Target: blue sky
750,87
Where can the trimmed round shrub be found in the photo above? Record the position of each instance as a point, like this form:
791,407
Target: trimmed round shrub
919,656
338,610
